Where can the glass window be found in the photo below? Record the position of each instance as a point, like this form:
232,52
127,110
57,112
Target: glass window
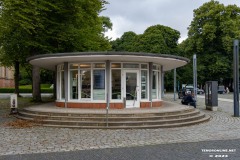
116,65
144,84
85,65
74,84
144,66
99,65
155,67
61,67
99,84
74,66
85,83
154,85
116,84
130,65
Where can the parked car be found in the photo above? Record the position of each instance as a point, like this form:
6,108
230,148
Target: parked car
184,91
200,91
221,90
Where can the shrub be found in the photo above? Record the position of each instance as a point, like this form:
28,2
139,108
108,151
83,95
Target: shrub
24,90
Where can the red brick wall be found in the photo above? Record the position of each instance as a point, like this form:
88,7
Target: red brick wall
103,105
6,83
148,104
90,105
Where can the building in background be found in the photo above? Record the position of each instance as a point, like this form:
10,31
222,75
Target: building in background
6,77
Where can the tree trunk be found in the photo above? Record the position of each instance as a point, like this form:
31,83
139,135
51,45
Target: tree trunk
16,77
36,84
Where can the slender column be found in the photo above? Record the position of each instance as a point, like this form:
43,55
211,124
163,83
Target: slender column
174,85
150,81
107,88
162,73
66,82
55,83
236,77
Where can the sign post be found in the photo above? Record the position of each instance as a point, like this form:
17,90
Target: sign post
236,77
13,103
195,76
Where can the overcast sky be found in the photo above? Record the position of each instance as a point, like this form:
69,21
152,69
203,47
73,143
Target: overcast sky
138,15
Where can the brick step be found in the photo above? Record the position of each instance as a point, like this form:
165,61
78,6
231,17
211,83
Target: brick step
110,118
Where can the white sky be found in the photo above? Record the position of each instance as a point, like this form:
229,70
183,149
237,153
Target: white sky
138,15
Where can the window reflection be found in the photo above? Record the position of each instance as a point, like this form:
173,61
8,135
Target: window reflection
86,83
154,85
144,83
74,84
99,84
116,84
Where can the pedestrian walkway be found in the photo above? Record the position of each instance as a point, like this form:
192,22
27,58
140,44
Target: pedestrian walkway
222,126
220,99
166,107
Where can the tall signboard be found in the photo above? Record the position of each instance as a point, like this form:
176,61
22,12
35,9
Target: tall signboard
236,77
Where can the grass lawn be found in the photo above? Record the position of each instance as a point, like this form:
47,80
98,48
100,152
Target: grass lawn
7,120
43,86
22,102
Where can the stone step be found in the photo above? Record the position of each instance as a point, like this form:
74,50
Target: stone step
205,119
110,118
103,114
114,123
117,119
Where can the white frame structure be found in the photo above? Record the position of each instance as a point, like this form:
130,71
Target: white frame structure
128,61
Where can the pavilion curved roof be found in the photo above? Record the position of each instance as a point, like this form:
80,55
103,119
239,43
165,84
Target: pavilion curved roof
49,61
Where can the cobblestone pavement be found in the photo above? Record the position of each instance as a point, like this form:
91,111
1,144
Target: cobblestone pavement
222,126
227,149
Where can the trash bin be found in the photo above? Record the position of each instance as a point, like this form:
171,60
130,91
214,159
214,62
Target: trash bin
211,95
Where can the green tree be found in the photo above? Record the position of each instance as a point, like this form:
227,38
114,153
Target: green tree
126,42
155,39
158,39
50,26
210,36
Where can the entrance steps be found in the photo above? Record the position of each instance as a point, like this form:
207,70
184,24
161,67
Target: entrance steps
126,119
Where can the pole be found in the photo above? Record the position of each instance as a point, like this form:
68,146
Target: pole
174,84
236,77
162,81
107,89
195,75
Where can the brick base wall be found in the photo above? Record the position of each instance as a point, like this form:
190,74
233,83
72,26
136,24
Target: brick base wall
6,83
148,104
104,105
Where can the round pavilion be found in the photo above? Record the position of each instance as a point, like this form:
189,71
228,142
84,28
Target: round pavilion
114,80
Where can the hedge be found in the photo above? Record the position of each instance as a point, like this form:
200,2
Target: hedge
25,90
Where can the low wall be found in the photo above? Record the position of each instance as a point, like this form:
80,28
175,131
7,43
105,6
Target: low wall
104,105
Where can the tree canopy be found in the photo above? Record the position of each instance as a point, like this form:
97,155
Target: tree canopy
155,39
33,27
210,36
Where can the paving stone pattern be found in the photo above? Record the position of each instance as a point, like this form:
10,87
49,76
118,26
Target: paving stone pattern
222,126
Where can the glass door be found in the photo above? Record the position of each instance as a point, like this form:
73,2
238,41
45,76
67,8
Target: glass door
131,89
